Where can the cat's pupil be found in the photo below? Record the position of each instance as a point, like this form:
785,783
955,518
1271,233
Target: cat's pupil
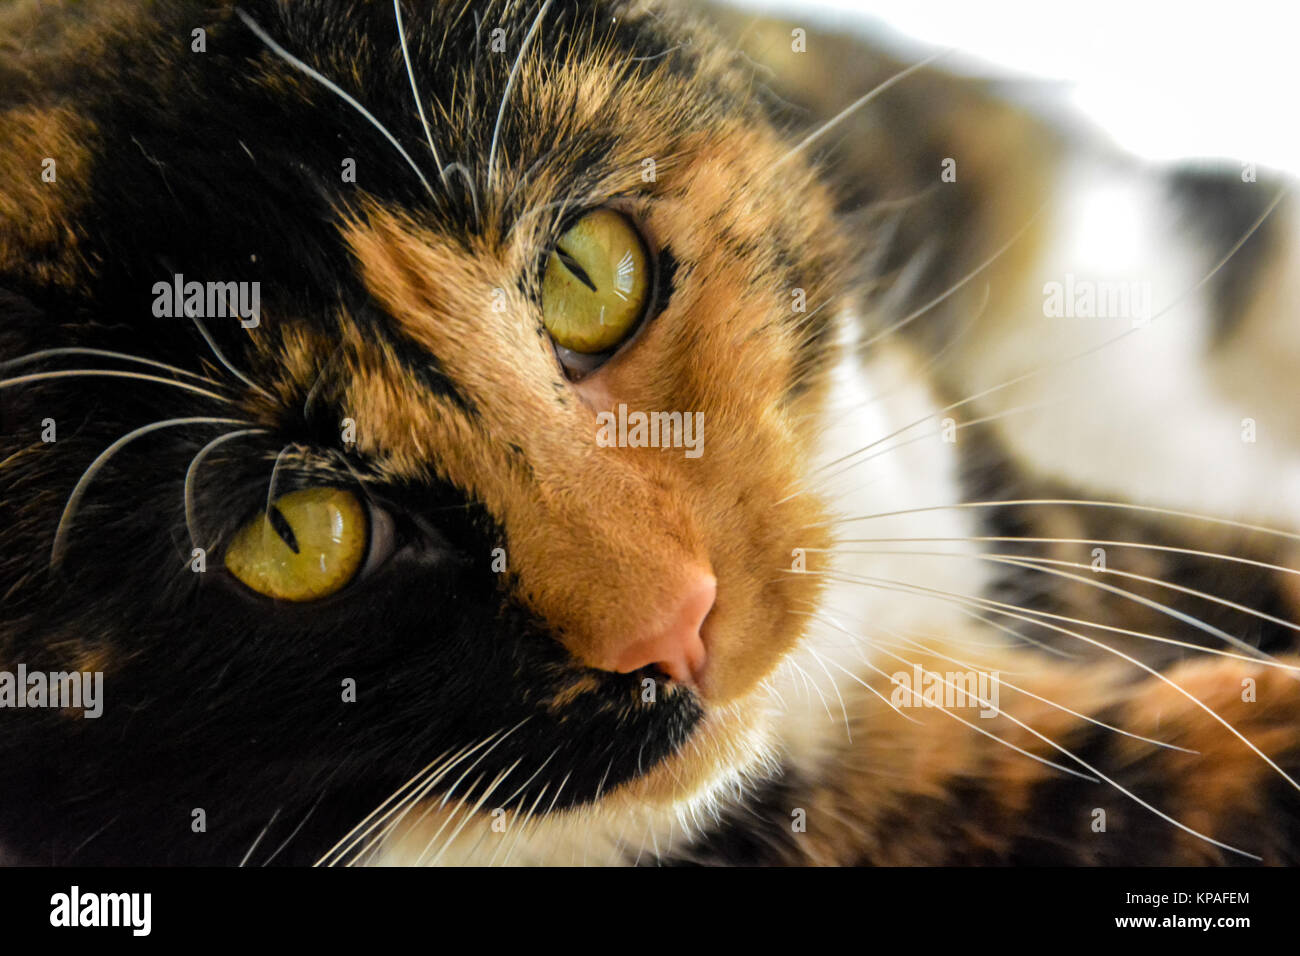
281,526
571,264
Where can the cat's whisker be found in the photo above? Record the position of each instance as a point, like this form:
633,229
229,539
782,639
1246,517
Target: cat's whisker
569,201
810,690
59,546
105,353
1003,682
334,88
770,686
519,832
533,776
275,474
188,495
296,830
414,800
468,179
111,373
1101,542
510,85
420,794
482,757
819,478
551,806
1031,563
659,56
519,792
1039,617
441,764
225,362
560,204
937,433
415,91
835,687
471,853
956,286
600,786
522,180
1043,369
1076,502
811,685
654,841
448,817
266,828
471,814
972,726
1014,635
934,361
1075,757
339,850
885,700
859,103
320,379
1021,638
645,835
988,603
392,820
620,845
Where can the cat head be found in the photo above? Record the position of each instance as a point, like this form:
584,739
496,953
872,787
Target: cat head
485,452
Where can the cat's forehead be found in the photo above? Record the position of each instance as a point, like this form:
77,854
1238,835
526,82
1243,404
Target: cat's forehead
585,105
584,81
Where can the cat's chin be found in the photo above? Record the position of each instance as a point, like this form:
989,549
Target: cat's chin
731,751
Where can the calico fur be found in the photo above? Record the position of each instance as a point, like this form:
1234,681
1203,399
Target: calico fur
400,352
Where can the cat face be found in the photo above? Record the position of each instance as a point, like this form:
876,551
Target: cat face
511,536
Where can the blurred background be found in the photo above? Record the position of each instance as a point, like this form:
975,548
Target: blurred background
1165,80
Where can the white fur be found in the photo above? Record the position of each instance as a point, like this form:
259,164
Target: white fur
1149,417
914,469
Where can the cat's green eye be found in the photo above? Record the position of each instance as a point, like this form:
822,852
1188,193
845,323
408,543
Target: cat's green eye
596,284
310,544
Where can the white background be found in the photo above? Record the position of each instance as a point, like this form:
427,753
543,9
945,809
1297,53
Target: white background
1165,79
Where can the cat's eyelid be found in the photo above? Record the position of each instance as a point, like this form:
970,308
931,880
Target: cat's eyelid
382,542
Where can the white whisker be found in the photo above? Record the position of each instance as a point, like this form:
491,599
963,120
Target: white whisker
334,88
225,362
859,103
510,85
191,522
415,92
105,353
111,373
59,546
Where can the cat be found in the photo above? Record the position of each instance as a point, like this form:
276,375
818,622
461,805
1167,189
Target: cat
354,355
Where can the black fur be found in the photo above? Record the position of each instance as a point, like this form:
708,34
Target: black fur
215,699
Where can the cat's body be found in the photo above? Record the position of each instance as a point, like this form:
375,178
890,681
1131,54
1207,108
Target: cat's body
827,306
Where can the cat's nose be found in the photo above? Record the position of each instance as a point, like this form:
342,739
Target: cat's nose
675,643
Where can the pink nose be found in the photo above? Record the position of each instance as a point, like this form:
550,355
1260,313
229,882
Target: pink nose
675,644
